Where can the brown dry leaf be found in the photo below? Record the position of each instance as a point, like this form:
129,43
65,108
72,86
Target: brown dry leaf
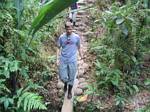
82,98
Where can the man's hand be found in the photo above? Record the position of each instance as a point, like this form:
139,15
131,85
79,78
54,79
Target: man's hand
57,57
57,62
82,58
81,54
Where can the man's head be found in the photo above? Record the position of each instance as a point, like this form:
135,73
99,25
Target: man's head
68,27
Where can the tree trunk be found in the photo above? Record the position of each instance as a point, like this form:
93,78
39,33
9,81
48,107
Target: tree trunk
13,83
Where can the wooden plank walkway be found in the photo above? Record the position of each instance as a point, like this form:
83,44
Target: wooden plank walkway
68,103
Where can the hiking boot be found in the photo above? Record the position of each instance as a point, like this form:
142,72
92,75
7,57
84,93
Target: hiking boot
69,95
69,92
71,20
65,87
74,24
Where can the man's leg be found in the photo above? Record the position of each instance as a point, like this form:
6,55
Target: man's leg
63,74
69,91
70,17
74,18
65,87
72,74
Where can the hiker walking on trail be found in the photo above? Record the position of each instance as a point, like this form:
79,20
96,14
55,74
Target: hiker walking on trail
73,13
68,45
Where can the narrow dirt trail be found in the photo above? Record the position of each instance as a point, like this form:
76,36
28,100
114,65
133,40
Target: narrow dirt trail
80,83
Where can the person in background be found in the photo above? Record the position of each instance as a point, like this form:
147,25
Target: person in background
42,2
73,13
68,45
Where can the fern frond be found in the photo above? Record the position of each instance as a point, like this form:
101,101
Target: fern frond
30,101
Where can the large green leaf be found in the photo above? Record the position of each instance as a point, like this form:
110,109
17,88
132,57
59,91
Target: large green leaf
19,9
48,11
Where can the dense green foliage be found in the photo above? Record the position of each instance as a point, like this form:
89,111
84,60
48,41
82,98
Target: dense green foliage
120,48
21,65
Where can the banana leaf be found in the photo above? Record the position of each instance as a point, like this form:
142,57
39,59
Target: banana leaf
19,8
48,11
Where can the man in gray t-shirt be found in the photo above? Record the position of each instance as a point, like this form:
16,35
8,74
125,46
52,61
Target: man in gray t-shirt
68,45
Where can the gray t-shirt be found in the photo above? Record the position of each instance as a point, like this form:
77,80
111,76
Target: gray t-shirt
69,46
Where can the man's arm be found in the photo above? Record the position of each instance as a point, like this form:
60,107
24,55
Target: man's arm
80,53
58,50
57,56
79,48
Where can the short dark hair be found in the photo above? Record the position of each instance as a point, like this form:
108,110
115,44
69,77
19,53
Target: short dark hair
68,24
